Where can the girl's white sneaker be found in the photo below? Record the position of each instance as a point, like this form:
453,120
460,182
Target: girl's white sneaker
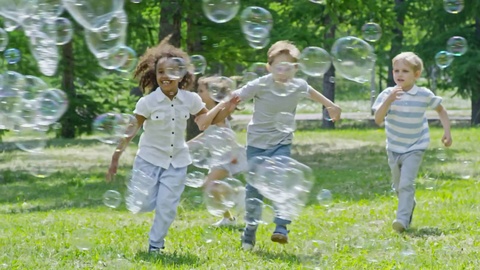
225,222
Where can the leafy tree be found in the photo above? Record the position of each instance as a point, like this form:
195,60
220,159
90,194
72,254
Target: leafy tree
438,26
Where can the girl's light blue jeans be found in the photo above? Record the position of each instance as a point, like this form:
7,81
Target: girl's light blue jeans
165,187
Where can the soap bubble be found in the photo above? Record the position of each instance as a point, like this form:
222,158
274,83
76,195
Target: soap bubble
12,56
453,6
457,45
220,11
371,32
443,59
314,61
353,58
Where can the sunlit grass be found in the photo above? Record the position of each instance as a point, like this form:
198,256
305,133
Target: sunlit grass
46,222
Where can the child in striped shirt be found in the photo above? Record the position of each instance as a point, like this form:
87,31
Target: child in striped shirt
403,108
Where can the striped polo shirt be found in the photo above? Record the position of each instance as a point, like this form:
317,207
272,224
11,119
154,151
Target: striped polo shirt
406,124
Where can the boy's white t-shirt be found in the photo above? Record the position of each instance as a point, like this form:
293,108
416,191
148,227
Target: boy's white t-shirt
163,141
406,124
261,131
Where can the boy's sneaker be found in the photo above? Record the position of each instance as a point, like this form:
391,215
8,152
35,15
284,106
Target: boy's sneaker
248,238
280,235
398,226
224,222
152,249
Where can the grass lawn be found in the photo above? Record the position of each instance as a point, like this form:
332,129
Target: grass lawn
60,221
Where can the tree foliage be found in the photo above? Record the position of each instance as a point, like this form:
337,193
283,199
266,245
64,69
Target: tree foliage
425,28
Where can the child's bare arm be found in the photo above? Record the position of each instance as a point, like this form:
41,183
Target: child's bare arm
122,145
333,109
381,112
444,119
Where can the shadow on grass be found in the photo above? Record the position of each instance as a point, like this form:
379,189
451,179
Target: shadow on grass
26,193
11,146
282,255
168,259
424,232
358,173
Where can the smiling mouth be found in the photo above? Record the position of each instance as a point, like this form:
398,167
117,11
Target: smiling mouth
166,82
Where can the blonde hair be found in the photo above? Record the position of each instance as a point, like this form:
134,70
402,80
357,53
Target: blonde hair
411,59
146,72
283,46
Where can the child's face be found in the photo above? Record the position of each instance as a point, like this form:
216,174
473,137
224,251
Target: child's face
203,93
404,75
283,67
166,83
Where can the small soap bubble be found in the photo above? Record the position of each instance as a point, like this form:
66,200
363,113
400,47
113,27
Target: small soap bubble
12,56
112,198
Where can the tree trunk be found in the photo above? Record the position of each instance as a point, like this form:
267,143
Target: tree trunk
475,109
170,21
67,121
194,45
476,92
396,48
329,79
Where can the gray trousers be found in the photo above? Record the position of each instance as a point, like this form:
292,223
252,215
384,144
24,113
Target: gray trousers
161,191
404,168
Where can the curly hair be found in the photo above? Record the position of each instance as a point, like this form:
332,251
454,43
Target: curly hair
146,73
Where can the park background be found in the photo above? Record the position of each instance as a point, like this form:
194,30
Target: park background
42,220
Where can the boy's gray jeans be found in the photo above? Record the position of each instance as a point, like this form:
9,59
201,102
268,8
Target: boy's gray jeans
404,168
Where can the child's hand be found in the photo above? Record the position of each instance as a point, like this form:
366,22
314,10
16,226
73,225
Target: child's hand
447,139
232,104
112,170
396,94
334,112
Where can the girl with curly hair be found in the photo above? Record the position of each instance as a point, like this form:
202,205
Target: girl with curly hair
162,158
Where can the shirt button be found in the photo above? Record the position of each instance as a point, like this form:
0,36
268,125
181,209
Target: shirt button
171,145
172,105
173,132
170,156
173,119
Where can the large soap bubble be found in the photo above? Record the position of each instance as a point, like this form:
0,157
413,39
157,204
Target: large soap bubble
353,58
220,11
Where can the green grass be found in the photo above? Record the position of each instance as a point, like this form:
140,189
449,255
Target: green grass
44,221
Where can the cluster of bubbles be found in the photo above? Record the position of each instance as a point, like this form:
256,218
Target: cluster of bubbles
352,57
222,195
218,148
104,22
30,108
456,46
256,22
284,181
